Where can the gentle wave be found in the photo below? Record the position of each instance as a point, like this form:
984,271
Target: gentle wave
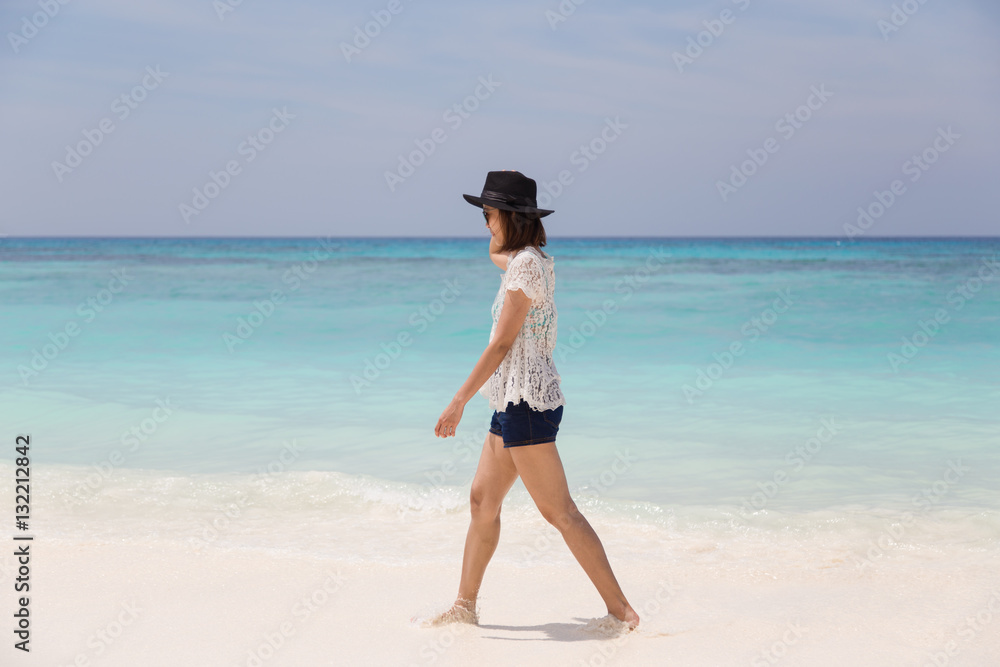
363,518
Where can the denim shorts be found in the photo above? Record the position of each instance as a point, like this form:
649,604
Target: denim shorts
523,425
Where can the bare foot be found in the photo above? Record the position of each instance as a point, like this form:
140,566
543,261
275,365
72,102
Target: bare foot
463,611
627,615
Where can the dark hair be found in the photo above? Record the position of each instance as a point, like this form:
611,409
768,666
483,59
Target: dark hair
521,230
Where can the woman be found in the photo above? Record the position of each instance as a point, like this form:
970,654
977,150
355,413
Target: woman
518,376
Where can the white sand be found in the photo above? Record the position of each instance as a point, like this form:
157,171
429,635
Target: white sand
218,607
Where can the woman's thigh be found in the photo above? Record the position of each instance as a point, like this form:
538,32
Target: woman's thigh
495,474
542,472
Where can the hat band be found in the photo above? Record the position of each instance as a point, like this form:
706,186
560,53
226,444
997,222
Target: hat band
509,199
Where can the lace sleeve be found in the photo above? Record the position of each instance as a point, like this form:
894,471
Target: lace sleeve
526,275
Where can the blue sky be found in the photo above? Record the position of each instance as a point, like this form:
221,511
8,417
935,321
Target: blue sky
646,143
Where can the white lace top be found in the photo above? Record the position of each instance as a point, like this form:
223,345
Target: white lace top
528,370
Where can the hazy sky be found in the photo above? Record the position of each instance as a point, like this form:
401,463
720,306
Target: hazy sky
734,117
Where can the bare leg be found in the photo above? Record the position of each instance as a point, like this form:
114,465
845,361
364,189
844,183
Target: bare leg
542,472
494,477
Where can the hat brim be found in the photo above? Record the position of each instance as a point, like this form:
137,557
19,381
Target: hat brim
479,201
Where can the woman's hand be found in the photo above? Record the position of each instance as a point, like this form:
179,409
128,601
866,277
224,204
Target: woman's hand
449,419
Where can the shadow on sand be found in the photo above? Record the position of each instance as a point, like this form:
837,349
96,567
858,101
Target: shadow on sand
585,630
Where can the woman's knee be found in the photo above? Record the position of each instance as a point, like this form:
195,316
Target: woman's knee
482,506
561,515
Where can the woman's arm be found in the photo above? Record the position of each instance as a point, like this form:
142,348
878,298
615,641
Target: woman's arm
515,308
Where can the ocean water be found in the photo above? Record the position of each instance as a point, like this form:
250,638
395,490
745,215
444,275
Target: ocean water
723,395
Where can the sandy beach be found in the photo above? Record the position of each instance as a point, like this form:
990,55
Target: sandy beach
157,604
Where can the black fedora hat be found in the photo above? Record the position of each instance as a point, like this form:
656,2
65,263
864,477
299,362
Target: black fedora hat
510,191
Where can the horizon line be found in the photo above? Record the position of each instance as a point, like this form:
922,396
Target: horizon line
482,237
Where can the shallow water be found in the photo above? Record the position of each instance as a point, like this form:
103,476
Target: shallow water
214,354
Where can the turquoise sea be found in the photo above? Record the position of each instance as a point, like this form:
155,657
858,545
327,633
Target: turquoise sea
709,382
